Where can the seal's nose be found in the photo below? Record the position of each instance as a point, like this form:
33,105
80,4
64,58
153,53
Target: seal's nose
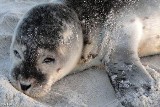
25,87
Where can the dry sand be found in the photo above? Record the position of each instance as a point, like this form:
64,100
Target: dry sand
90,88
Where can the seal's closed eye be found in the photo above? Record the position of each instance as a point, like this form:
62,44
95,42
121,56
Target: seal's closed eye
49,60
16,53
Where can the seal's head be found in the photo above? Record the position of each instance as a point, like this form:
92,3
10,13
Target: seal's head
46,46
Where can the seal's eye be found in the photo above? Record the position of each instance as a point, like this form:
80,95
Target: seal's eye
49,60
17,54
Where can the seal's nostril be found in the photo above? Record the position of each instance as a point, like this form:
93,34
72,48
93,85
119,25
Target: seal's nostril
25,87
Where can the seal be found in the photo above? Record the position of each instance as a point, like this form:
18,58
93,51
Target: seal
54,39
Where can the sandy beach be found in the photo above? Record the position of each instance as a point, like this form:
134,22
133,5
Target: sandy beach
90,88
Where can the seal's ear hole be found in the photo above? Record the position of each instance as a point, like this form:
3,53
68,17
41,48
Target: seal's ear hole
16,53
58,69
49,60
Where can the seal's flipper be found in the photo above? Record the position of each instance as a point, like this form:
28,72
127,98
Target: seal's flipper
126,72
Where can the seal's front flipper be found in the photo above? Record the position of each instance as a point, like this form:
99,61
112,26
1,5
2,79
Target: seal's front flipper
127,74
129,78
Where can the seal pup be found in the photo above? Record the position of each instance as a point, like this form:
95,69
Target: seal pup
46,46
55,39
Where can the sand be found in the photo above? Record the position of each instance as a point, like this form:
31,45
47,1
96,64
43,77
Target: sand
90,88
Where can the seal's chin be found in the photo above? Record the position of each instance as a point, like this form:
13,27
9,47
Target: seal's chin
34,91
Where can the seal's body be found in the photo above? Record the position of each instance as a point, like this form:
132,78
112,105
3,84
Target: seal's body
55,39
